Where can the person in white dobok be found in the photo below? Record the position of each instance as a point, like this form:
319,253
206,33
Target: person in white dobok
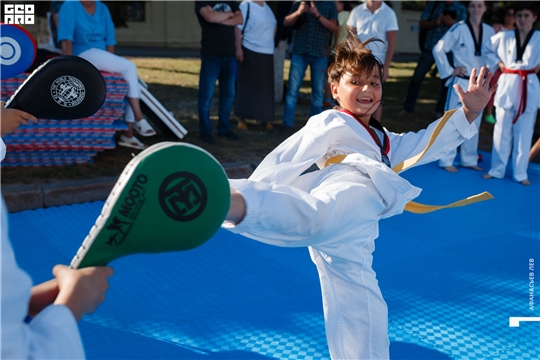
40,322
335,211
517,53
468,40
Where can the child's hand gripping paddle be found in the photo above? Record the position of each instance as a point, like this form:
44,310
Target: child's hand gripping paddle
170,197
63,88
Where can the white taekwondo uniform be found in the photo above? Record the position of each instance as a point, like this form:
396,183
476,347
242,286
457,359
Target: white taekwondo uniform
511,92
335,212
52,334
467,52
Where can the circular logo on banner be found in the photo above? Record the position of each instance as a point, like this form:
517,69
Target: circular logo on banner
10,50
182,196
68,91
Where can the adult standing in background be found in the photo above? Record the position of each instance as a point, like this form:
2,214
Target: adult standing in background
85,29
255,55
437,18
314,22
218,20
344,10
376,19
282,40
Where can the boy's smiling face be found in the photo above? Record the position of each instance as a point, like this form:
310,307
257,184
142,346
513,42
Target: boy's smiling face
359,93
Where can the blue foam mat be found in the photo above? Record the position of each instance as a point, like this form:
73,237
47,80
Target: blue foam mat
451,280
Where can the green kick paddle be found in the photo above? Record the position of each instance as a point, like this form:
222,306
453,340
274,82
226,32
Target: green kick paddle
170,197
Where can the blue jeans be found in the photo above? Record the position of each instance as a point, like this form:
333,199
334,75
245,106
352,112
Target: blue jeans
216,68
299,64
423,66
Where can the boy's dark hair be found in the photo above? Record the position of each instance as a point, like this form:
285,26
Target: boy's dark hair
526,5
352,56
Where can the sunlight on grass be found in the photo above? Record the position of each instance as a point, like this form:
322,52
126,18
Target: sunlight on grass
167,71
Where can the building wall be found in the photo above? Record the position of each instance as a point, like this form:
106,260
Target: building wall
168,23
408,22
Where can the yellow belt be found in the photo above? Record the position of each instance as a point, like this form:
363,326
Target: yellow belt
413,206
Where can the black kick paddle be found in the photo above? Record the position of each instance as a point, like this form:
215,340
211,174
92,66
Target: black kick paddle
63,88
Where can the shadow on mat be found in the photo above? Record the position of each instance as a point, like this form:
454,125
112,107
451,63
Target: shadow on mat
102,342
402,351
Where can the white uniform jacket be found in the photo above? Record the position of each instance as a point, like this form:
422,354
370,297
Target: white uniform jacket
503,48
52,334
460,41
336,211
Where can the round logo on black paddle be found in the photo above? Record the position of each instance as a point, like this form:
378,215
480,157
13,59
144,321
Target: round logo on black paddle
182,196
68,91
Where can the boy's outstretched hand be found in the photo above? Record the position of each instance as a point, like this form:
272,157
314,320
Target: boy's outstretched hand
478,94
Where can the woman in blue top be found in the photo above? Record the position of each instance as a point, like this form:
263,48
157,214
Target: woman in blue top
85,29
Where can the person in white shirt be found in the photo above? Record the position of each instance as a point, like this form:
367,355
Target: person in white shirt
375,19
255,55
517,54
40,322
335,211
468,41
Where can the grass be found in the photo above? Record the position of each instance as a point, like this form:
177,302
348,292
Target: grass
175,81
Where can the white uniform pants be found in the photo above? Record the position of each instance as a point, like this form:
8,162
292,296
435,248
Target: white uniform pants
355,313
469,148
106,61
516,137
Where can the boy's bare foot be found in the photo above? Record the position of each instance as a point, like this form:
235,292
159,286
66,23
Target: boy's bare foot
525,182
474,167
451,169
487,176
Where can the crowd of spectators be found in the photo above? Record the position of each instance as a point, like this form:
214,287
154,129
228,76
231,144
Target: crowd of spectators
244,46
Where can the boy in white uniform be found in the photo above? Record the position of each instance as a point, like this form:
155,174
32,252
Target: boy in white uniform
517,53
468,40
335,211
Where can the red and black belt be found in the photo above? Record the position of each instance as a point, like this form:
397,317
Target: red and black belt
523,101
